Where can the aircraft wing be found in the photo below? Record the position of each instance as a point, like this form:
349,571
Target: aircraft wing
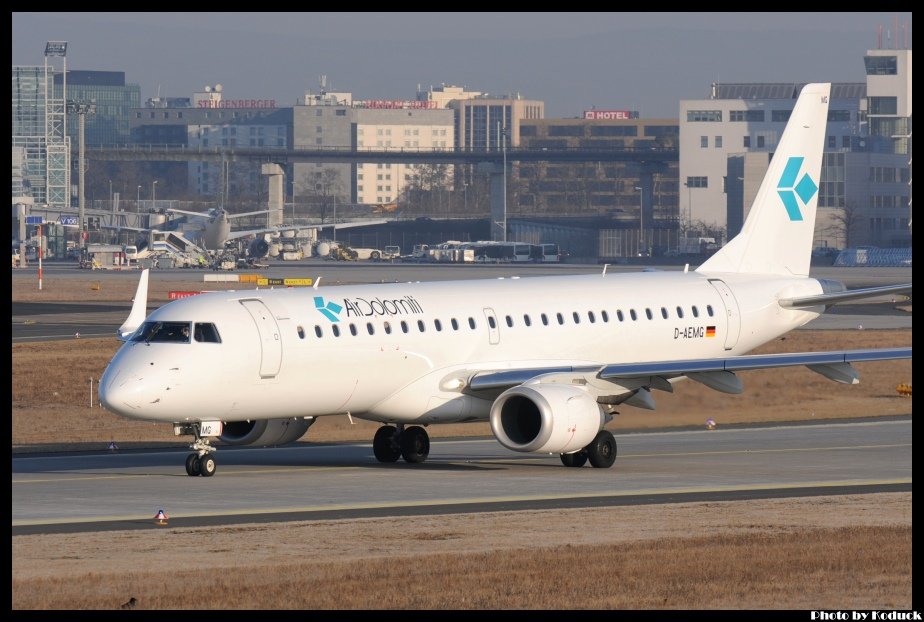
845,296
124,228
621,382
279,228
243,214
173,210
243,234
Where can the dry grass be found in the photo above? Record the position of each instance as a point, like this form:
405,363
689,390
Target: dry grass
827,552
51,396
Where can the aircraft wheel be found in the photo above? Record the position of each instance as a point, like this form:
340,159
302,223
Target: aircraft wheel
415,444
577,459
383,445
602,450
207,466
192,465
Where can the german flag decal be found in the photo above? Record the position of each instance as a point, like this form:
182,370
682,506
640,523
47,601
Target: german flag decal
710,331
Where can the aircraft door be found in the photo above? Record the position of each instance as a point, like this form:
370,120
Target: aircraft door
270,337
493,330
733,317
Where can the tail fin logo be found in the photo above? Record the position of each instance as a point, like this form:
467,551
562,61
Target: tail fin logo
790,191
330,310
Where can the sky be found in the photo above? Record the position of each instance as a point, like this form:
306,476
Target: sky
572,61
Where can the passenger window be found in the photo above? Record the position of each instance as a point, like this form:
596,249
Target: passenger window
591,317
561,320
318,331
577,317
336,330
664,312
455,324
491,322
353,329
387,326
695,311
680,312
605,316
509,321
370,328
471,323
648,312
526,320
420,326
619,315
438,325
545,319
403,326
632,314
709,310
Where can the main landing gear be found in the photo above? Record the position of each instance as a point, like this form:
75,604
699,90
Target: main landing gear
200,462
601,452
393,442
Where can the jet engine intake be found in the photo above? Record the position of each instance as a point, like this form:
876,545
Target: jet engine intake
546,418
264,432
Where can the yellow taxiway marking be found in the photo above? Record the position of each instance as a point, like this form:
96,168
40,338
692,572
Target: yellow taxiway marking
471,500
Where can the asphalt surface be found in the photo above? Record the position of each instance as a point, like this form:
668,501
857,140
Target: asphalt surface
307,481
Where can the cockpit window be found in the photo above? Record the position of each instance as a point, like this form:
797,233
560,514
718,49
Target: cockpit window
206,332
160,332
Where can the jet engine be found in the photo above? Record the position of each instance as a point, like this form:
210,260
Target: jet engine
258,248
264,432
547,418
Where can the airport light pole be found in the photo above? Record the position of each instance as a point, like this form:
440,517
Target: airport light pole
138,200
81,109
154,195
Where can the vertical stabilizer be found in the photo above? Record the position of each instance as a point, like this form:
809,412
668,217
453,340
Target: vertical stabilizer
778,233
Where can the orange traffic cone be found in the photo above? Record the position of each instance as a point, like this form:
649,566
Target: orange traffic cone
160,518
710,424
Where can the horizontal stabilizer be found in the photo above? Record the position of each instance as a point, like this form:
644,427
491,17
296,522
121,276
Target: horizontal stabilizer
845,296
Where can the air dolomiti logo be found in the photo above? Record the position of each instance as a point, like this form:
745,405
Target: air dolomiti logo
791,191
365,307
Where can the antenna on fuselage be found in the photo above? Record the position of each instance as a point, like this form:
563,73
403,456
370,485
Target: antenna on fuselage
317,281
605,266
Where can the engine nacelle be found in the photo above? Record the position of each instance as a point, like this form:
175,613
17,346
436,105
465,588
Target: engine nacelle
264,432
258,248
547,418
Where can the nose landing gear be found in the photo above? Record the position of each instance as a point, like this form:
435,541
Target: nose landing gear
200,462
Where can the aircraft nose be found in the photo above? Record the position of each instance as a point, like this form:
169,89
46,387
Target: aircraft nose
119,393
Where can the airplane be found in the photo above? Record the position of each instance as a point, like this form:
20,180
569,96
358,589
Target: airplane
216,229
546,360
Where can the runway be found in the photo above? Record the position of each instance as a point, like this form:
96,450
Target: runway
123,490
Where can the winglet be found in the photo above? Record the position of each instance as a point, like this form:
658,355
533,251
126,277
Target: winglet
139,309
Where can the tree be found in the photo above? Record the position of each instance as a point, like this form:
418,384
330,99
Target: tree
845,221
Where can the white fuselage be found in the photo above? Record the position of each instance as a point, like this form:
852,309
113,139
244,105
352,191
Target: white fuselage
402,347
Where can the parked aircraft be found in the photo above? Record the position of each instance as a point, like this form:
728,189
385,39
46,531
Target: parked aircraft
546,360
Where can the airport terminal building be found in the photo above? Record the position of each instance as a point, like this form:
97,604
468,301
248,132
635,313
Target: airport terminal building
727,140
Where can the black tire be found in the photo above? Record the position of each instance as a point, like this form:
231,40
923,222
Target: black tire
415,444
577,459
375,256
192,465
383,445
602,450
207,466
